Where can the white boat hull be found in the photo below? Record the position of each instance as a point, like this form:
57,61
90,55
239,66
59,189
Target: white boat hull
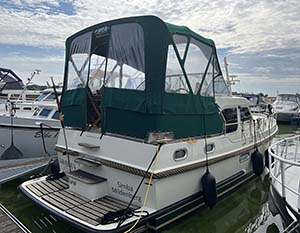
27,136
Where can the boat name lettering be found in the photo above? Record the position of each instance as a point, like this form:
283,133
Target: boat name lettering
38,134
65,163
125,190
125,186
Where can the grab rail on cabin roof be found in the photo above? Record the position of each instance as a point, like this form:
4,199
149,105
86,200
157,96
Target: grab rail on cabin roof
285,153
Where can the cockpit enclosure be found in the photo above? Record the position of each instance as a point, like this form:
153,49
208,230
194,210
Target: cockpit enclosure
138,75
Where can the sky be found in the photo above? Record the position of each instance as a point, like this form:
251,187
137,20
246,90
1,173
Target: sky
261,39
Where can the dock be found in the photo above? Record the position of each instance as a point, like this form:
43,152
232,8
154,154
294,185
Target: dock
9,223
10,170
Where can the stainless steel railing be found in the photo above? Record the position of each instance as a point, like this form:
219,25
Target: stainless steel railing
282,155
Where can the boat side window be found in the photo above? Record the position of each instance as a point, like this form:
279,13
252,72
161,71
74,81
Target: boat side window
125,63
245,114
45,112
36,111
97,70
198,66
55,115
231,119
78,61
175,81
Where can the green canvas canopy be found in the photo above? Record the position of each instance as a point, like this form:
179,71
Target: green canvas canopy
137,75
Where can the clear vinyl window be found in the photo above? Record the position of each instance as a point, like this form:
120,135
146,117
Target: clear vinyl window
196,63
175,81
126,63
78,61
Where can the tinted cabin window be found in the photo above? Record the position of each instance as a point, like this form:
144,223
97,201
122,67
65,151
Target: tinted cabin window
230,115
45,112
55,115
245,114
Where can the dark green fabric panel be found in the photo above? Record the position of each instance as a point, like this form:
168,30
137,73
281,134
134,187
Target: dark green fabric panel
138,125
184,126
185,30
188,104
156,50
74,107
124,99
129,123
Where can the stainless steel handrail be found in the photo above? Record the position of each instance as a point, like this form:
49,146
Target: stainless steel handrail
280,151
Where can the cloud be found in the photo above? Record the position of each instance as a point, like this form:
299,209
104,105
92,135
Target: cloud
245,26
50,66
259,37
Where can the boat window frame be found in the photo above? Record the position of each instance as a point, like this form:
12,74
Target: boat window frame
211,61
106,59
55,114
45,109
180,158
233,126
244,119
210,151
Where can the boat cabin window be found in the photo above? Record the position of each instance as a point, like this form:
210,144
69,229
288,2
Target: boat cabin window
125,63
181,43
175,81
36,111
78,61
110,55
245,114
200,65
45,112
231,119
55,115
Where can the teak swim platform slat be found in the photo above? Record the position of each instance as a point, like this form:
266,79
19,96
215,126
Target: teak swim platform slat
57,194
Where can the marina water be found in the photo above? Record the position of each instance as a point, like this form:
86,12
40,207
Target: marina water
244,210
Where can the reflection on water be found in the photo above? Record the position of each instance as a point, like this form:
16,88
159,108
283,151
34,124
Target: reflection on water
244,210
286,129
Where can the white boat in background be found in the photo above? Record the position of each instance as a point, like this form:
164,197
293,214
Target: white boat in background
257,103
287,107
29,129
284,157
160,135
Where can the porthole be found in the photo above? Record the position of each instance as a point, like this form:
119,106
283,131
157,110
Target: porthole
209,148
180,154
